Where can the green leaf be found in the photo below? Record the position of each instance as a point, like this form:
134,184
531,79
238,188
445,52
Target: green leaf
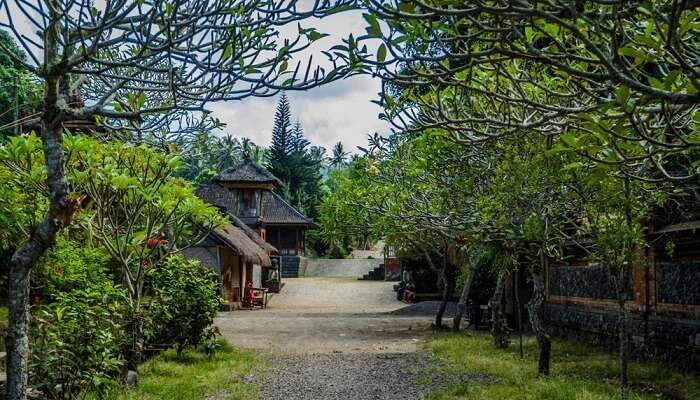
315,35
373,29
381,53
623,94
407,7
569,139
228,51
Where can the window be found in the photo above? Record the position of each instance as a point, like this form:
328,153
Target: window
248,203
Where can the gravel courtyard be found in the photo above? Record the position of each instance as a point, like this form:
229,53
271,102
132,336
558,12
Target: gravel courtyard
335,338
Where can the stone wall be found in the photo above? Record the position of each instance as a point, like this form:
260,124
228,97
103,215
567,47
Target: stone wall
664,310
678,282
653,336
593,282
345,267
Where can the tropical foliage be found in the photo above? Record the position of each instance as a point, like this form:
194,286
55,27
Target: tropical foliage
569,126
433,198
206,154
132,213
183,302
19,89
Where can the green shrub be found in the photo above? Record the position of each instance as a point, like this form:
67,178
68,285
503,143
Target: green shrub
77,342
183,303
69,266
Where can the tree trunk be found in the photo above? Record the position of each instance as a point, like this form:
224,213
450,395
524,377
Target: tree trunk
623,290
535,309
17,340
59,214
446,289
464,296
134,346
624,334
518,314
499,330
462,304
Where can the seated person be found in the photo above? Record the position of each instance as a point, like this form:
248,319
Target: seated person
410,293
400,290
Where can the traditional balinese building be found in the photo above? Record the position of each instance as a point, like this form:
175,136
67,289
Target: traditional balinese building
238,259
247,193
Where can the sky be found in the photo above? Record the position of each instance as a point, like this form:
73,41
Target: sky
341,111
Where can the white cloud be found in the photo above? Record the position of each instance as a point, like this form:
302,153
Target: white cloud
341,111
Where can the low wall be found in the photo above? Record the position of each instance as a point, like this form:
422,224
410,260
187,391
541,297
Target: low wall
366,254
674,340
664,306
333,267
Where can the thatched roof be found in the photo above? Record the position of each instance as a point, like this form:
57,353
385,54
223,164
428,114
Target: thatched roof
249,172
252,234
236,239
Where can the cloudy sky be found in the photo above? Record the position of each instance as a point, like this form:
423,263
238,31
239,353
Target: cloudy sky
341,111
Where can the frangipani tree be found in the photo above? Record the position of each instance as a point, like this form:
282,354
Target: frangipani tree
419,196
133,65
612,232
618,78
613,84
130,201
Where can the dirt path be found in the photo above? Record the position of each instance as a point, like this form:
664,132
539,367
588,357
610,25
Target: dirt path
327,315
332,338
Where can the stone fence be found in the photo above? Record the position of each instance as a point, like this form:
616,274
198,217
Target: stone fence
332,267
664,306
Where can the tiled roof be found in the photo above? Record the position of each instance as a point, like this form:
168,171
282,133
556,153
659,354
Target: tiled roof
249,171
278,211
217,195
274,209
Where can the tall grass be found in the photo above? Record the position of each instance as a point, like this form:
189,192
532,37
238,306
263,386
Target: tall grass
194,376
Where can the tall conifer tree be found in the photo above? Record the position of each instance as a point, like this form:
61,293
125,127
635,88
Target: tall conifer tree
294,162
299,142
278,161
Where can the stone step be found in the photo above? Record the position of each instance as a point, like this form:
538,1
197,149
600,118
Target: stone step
290,266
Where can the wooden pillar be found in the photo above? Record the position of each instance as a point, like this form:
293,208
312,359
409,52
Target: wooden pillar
220,271
296,241
243,268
